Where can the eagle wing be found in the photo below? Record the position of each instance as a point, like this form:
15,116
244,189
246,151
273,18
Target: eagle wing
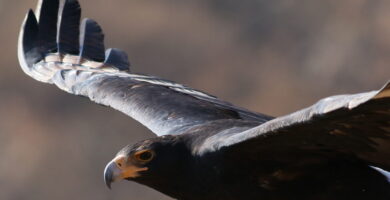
56,48
357,125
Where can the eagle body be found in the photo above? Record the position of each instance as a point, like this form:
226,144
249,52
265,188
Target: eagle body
207,148
246,175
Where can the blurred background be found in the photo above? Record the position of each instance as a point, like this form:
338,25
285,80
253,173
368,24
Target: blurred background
271,56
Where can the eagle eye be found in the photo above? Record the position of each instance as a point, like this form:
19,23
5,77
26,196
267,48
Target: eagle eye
144,156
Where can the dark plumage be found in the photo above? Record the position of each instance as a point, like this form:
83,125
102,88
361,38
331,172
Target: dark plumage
69,28
117,58
91,41
48,22
207,148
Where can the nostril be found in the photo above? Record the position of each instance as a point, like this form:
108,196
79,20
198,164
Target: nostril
120,162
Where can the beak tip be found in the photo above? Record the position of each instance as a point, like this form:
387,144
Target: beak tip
108,183
108,175
109,186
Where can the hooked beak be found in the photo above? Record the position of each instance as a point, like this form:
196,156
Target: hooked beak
118,169
110,172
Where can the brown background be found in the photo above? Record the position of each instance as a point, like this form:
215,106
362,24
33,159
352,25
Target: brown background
272,56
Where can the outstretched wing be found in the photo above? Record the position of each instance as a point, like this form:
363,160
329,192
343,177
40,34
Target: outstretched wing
56,48
356,125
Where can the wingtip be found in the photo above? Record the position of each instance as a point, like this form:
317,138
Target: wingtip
31,13
27,41
92,41
47,23
387,85
384,92
37,34
45,5
29,31
55,27
69,27
117,58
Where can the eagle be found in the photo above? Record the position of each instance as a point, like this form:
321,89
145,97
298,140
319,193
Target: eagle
207,148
